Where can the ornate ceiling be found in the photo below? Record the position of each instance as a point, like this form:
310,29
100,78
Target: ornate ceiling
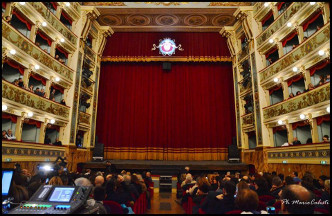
166,16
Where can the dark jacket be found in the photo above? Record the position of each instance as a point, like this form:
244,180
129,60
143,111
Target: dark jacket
275,192
212,205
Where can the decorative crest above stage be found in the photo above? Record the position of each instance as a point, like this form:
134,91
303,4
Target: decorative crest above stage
167,46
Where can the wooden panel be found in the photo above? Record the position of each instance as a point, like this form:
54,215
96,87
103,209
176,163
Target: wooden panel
75,156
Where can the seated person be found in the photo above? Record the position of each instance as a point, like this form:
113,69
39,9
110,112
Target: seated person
277,186
305,38
15,82
37,91
31,88
309,140
310,87
57,142
298,93
52,95
247,201
326,138
296,141
47,140
4,135
42,93
20,82
297,193
10,136
327,78
291,95
321,80
63,102
189,180
200,196
98,196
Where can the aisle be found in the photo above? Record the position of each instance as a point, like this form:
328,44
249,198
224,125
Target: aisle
164,203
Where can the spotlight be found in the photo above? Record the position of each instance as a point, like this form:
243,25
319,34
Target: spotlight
289,24
4,107
67,4
13,52
44,24
57,79
37,67
271,41
47,167
312,3
62,40
302,116
22,3
276,79
280,122
30,114
266,4
321,52
327,109
52,121
295,69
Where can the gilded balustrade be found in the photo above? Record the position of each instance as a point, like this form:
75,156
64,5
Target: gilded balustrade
84,118
248,119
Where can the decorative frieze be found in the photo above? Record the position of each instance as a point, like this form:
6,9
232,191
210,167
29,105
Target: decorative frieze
24,44
84,118
303,50
56,23
248,119
24,97
297,103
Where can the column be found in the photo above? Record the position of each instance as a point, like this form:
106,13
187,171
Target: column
267,97
48,87
26,77
34,29
300,35
280,49
307,78
53,47
62,132
43,131
289,131
285,90
326,12
270,132
19,126
314,129
9,9
275,11
58,11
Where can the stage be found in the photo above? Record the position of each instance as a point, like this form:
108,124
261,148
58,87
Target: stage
168,167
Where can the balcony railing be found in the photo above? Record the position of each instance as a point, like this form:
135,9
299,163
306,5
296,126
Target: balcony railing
16,38
313,97
84,118
301,154
248,119
245,89
303,50
90,53
29,99
13,151
54,21
279,22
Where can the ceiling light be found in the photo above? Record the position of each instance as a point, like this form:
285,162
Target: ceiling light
44,24
302,116
22,3
289,24
295,69
4,107
37,67
67,4
62,40
280,122
52,121
57,79
30,114
312,3
276,79
13,52
271,40
321,52
327,109
266,4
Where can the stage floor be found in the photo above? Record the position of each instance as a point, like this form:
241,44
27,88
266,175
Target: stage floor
169,165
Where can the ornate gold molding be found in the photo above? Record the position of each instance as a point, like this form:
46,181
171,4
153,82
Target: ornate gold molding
174,59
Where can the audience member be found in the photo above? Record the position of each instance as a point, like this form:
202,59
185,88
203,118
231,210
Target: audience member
47,140
63,102
295,177
309,140
8,19
296,141
20,82
247,201
310,87
42,93
276,187
37,91
10,135
4,135
31,88
55,180
327,78
305,38
291,95
261,186
15,82
57,142
189,180
52,95
326,138
99,196
296,200
298,93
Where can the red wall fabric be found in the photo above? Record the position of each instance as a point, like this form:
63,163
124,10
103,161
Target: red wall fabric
141,43
140,105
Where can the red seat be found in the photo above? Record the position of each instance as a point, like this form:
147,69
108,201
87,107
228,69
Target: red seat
190,205
266,198
261,206
277,205
234,212
113,207
200,211
318,193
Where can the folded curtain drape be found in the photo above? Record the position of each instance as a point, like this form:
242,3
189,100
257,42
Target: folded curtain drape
62,51
267,17
319,66
33,122
299,124
13,118
22,19
39,78
15,65
321,119
271,52
289,37
43,36
294,79
306,25
60,89
279,128
141,106
276,88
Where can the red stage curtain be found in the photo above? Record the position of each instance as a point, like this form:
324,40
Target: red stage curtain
318,67
271,52
33,122
274,89
62,51
299,124
39,78
305,26
16,66
267,17
280,5
66,17
321,119
140,44
192,106
13,118
290,37
279,128
60,89
41,34
294,79
22,19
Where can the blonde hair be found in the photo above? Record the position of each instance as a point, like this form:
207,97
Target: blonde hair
55,180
